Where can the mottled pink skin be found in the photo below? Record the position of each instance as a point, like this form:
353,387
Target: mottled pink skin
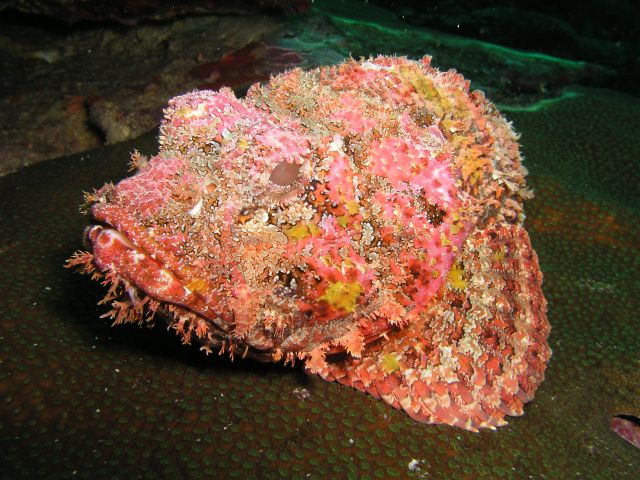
219,115
437,378
365,218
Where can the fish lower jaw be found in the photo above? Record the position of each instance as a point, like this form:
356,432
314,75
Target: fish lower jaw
140,288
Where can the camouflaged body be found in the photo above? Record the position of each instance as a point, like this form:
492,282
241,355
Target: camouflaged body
365,218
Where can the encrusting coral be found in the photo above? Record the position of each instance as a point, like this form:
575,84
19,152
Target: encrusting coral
365,218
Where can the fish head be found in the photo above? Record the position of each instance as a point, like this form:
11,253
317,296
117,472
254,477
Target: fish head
253,231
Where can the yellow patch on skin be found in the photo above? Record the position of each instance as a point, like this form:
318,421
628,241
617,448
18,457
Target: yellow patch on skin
472,165
423,85
499,255
353,207
475,176
342,295
455,278
390,363
313,229
300,231
196,285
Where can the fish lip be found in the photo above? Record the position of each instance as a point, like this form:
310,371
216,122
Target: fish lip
110,216
91,235
90,231
118,226
128,229
218,334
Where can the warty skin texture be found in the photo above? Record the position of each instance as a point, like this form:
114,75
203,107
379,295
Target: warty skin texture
364,218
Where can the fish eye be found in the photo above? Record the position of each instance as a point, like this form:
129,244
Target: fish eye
285,173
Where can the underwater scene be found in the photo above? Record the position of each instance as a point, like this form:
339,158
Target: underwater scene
319,239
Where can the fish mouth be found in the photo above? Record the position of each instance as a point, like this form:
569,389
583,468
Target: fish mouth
124,248
143,285
116,254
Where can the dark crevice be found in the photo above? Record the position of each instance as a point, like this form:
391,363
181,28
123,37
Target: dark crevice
630,418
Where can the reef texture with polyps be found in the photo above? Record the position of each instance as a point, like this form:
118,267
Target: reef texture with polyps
365,218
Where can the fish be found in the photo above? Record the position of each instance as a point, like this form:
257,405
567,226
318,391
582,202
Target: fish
364,218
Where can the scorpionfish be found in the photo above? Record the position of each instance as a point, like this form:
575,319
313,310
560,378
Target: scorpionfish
364,218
